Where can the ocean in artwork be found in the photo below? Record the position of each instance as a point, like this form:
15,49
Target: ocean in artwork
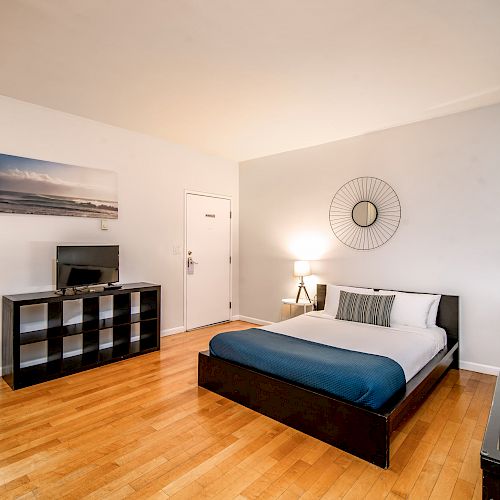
29,186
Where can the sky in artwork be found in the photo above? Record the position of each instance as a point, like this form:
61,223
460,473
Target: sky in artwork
26,175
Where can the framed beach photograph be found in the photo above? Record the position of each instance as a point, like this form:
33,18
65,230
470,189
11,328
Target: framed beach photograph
29,186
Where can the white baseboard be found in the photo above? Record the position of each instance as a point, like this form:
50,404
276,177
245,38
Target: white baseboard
236,317
477,367
172,331
248,319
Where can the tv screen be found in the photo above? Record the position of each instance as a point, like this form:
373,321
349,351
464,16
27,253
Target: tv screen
87,265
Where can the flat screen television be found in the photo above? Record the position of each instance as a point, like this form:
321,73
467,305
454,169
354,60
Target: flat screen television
79,266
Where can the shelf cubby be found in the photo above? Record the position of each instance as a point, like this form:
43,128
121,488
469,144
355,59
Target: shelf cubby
91,328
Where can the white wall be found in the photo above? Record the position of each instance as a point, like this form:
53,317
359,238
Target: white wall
446,173
152,175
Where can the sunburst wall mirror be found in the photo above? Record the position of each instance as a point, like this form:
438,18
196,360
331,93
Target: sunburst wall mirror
365,213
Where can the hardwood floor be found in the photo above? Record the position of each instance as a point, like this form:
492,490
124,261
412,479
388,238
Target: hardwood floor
142,428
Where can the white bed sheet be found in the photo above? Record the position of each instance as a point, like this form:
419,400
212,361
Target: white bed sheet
411,347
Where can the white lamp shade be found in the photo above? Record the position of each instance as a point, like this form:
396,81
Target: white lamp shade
301,268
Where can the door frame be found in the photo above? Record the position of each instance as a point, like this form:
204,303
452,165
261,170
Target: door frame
208,195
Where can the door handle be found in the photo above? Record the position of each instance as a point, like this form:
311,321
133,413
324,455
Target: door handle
190,263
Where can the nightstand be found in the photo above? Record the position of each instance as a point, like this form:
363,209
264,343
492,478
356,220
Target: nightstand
301,303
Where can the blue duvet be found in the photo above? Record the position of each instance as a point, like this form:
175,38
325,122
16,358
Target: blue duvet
367,380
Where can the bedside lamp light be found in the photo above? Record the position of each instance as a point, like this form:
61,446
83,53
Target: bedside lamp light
301,268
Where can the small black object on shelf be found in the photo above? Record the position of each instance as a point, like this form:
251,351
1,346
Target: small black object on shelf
112,286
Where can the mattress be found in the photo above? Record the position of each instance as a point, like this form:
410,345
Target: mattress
363,364
412,348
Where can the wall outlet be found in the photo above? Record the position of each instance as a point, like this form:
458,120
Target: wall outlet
104,224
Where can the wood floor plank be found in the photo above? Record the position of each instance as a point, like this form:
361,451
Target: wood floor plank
463,490
364,482
426,480
447,479
470,466
411,472
142,428
346,480
383,485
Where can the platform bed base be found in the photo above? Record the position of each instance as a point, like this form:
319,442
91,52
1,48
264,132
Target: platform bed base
359,431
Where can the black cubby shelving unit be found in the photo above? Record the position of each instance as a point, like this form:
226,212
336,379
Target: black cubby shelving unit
91,356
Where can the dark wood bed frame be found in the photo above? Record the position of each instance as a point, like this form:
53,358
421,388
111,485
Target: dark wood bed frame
359,431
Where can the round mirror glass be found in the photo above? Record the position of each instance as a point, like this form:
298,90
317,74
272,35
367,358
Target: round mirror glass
364,213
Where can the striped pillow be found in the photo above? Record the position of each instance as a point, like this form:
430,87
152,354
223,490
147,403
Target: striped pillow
362,308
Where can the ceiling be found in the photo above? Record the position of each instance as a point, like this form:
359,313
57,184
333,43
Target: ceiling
249,78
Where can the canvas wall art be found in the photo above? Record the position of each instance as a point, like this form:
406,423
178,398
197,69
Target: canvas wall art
29,186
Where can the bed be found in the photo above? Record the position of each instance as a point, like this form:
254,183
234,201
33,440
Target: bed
353,413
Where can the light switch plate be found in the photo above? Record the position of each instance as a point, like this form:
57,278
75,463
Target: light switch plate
104,224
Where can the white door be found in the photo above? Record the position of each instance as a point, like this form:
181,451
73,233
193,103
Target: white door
207,260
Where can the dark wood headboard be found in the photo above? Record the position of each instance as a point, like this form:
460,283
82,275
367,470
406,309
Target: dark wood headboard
447,316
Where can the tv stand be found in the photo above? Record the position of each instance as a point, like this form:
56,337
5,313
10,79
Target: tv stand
93,354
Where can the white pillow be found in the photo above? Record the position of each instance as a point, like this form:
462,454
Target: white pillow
333,296
410,309
431,319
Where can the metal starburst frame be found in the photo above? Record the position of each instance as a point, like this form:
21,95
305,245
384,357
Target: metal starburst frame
388,213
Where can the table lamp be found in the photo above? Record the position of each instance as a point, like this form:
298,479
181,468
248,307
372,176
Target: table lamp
301,268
